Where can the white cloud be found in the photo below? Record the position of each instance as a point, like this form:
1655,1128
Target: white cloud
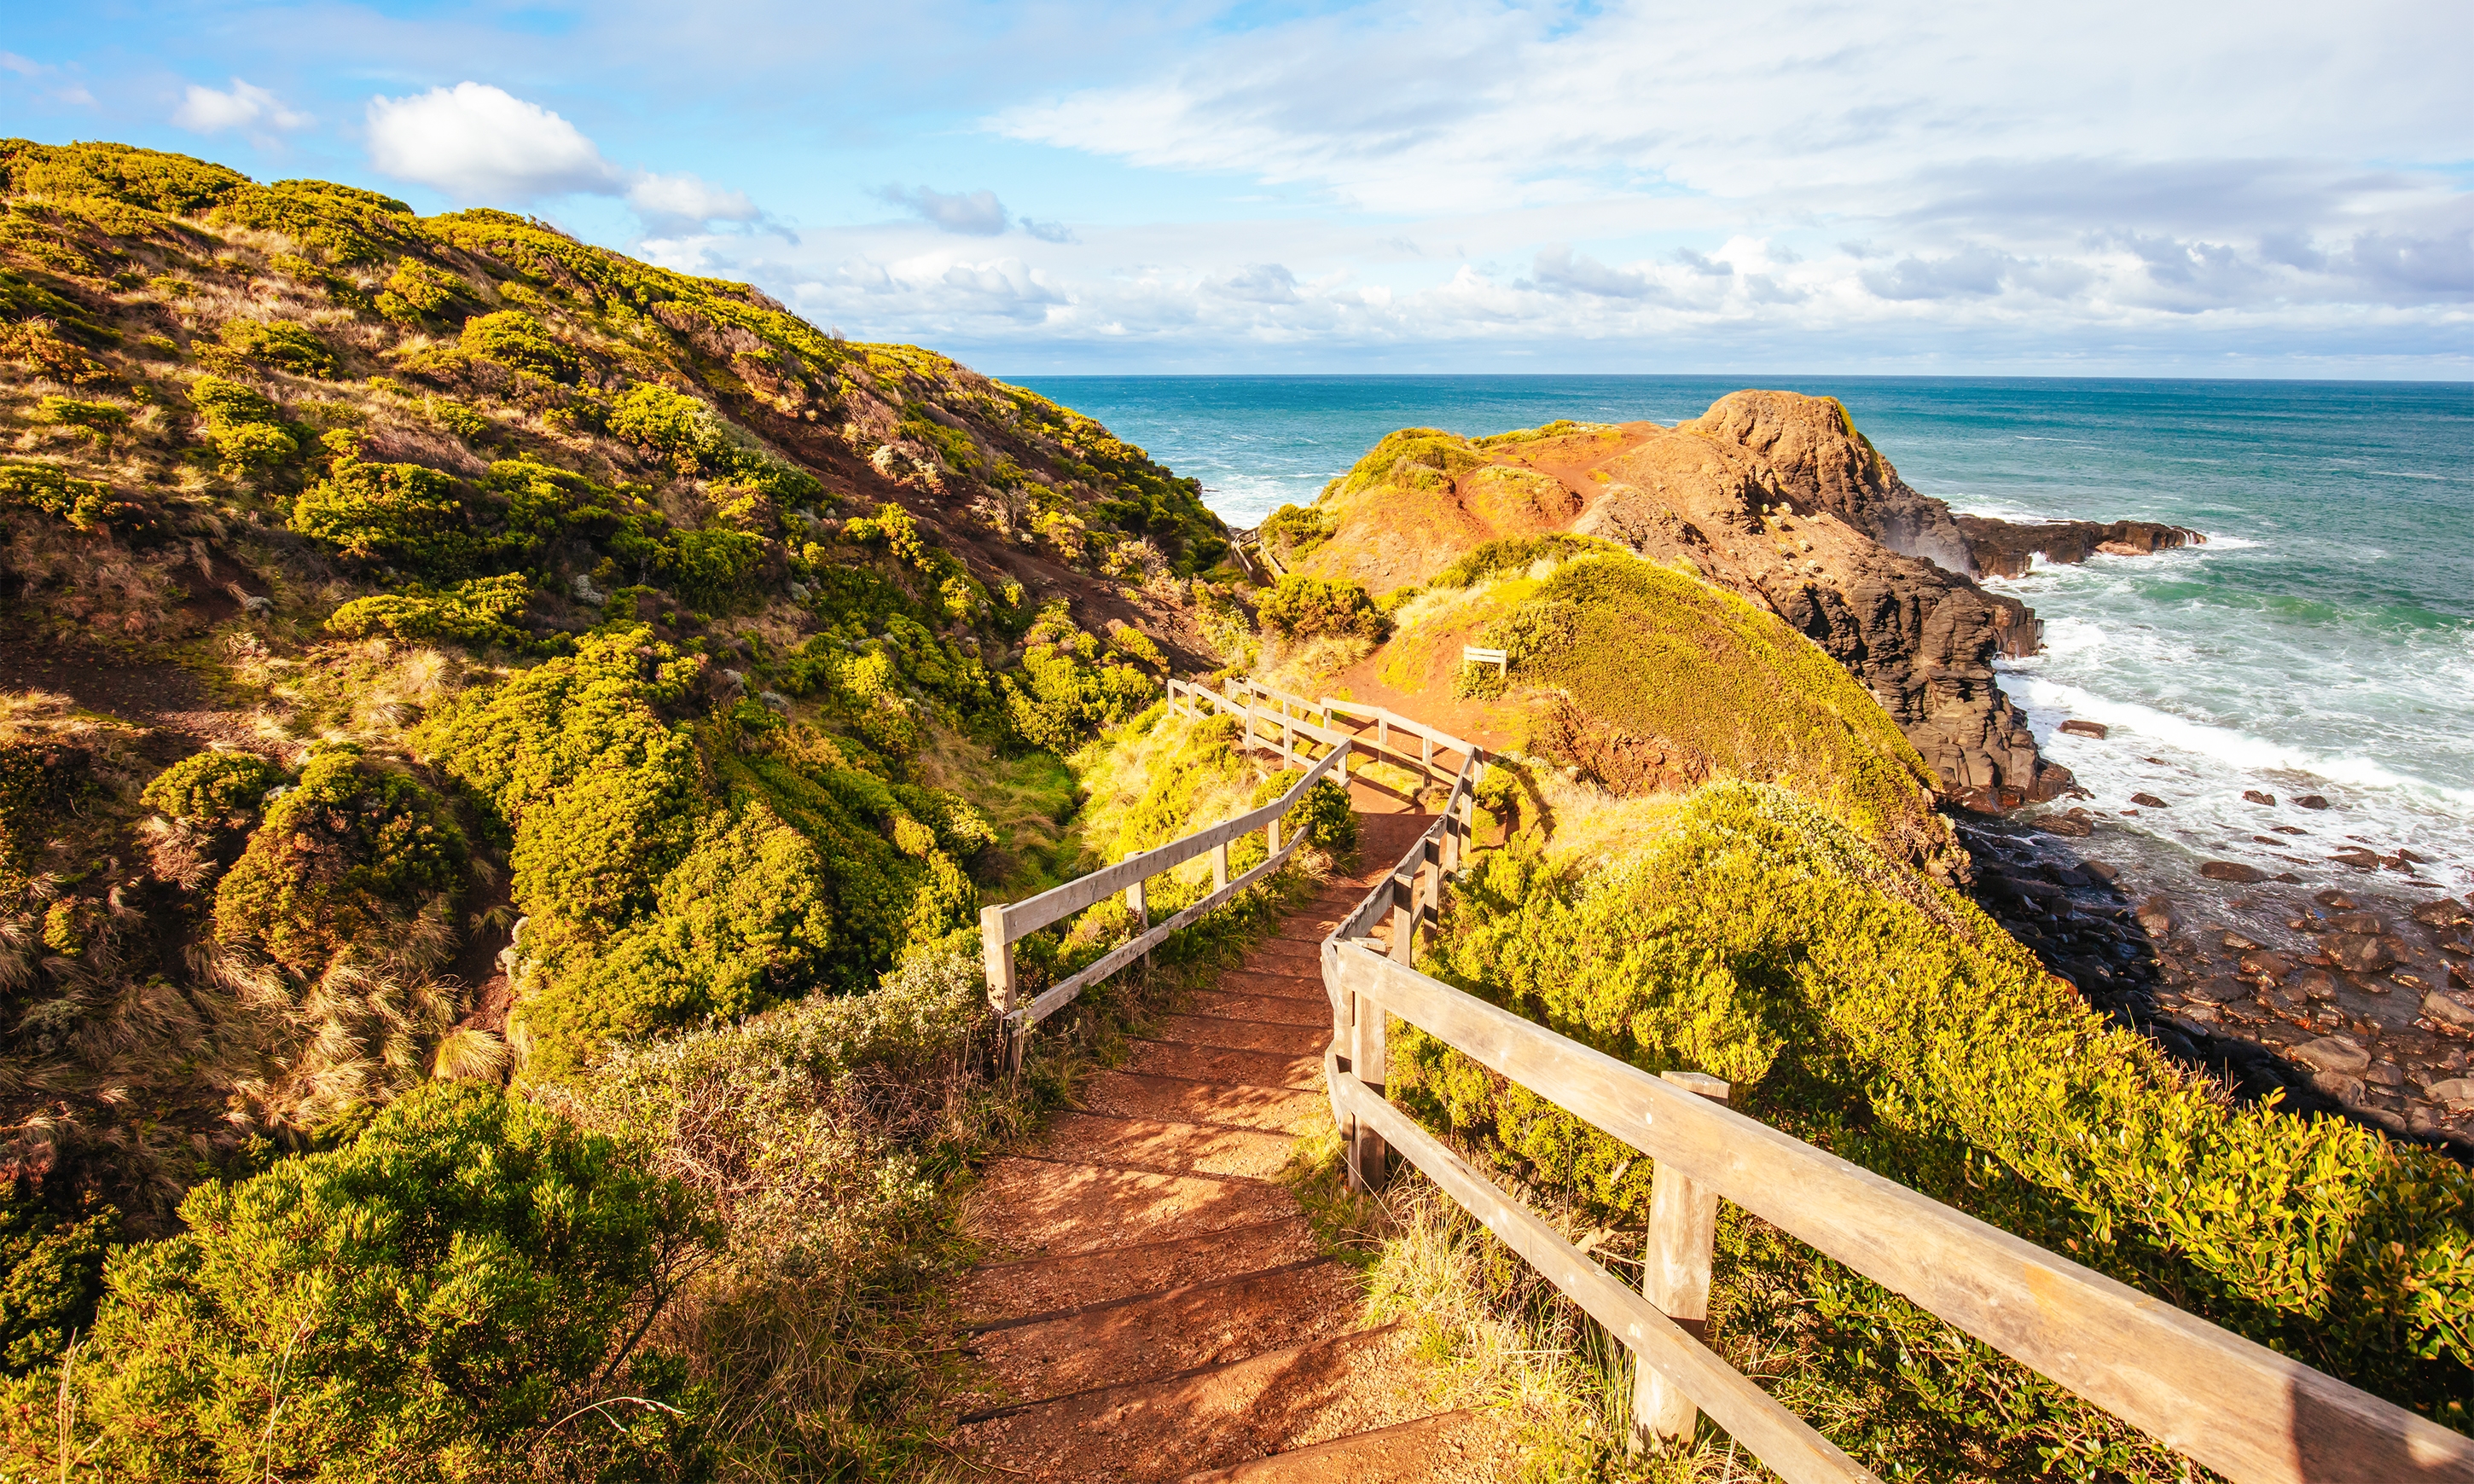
480,143
970,213
676,200
204,111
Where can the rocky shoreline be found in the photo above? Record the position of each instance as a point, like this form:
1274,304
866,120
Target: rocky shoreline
2357,1003
2008,548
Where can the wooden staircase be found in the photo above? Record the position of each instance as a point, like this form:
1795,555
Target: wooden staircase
1160,1302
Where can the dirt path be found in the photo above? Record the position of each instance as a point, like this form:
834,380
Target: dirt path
1160,1307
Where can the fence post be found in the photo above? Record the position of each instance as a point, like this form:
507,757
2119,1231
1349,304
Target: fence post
1426,751
1288,739
996,956
1220,864
1675,1276
1383,727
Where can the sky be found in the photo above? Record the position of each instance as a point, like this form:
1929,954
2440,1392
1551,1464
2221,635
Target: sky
2111,188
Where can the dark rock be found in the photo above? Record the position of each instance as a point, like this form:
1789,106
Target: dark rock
2446,1010
2256,797
2311,801
2103,872
2263,965
2317,983
2359,923
2220,989
2464,976
2357,856
2456,1093
2288,830
2070,825
2334,1054
2335,901
2238,943
2232,871
2338,1088
2384,1074
2081,728
2150,802
2007,548
2446,912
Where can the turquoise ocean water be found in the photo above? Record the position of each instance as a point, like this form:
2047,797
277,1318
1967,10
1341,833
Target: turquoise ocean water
2322,642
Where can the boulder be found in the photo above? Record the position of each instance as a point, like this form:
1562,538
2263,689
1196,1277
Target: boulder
2238,944
2069,824
2079,729
2256,797
2446,912
2317,983
2357,856
2456,1093
2232,871
2311,801
2341,1054
2150,802
2263,965
2359,923
2338,1087
2156,922
2446,1010
2358,953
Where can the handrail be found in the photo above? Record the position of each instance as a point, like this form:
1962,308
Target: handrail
1386,721
1002,924
2232,1405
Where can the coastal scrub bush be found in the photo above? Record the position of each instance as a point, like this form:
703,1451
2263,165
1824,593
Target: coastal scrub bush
402,515
516,340
423,1303
216,790
244,426
283,343
51,1272
1293,530
482,611
1069,686
1310,608
1860,1007
86,504
350,850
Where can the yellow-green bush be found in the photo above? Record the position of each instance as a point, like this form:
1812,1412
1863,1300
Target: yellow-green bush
516,340
1863,1007
283,344
402,515
349,851
219,790
1309,607
482,611
86,504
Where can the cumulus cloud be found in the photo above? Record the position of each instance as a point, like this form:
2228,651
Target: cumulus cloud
1259,283
244,106
969,213
1050,231
1559,270
480,143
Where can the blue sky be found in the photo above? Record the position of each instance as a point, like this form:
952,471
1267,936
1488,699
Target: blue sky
1774,186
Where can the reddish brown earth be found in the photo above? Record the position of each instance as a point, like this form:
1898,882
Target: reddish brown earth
1155,1300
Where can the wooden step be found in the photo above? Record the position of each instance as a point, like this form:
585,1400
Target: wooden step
1155,1144
998,1291
1151,1336
1280,1009
1030,1207
1227,1064
1287,1039
1210,1418
1448,1448
1180,1099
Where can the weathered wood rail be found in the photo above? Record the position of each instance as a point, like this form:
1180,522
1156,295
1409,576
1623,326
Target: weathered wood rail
2237,1408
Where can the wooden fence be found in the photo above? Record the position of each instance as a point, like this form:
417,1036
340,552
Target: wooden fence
2237,1408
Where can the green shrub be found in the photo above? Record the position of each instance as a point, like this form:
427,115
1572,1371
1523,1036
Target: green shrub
243,425
51,1272
1068,687
1516,554
175,184
1860,1007
86,504
515,339
37,781
97,422
421,1303
352,851
341,224
218,790
482,611
715,570
283,344
402,515
416,289
1309,607
1293,530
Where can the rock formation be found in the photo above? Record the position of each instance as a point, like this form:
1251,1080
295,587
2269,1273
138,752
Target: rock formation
2007,548
1776,496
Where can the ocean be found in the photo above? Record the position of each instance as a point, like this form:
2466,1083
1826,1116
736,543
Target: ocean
2322,642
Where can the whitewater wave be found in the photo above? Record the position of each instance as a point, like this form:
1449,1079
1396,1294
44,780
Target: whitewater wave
2049,701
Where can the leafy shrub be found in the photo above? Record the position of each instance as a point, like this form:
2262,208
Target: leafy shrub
283,344
340,222
715,570
86,504
97,422
1860,1007
51,1272
1068,687
687,433
175,184
416,289
405,515
1293,530
482,611
421,1303
1516,554
351,850
515,339
218,790
243,425
1309,607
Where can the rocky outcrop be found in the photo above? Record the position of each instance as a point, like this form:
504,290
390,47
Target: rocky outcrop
2007,548
1778,497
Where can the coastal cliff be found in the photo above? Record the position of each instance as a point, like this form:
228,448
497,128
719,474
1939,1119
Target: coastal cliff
1773,495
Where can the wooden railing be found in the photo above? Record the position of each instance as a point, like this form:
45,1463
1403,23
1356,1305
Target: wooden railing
2237,1408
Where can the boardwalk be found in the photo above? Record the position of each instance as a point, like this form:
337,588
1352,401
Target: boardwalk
1159,1301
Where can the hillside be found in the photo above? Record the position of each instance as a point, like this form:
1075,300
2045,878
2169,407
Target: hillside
1772,495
